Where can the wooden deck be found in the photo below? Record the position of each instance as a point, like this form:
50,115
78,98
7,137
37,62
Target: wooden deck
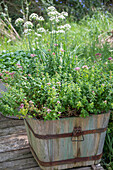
14,148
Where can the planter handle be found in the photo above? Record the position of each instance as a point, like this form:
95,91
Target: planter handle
77,131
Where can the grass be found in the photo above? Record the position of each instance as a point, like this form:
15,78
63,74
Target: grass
83,36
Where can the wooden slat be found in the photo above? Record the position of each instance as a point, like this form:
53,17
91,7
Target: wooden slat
12,130
13,155
81,168
19,164
13,142
34,168
11,123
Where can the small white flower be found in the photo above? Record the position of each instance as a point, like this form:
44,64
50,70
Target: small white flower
5,9
27,31
28,24
61,31
53,32
57,20
53,13
42,30
51,8
61,17
64,13
33,44
33,16
61,27
67,26
38,35
19,22
36,39
3,14
40,18
52,18
9,41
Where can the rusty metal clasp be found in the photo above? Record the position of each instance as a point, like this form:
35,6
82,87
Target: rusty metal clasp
77,131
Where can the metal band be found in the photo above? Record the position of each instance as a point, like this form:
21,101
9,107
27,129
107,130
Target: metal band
65,135
67,161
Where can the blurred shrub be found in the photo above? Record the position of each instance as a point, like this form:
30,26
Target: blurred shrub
77,9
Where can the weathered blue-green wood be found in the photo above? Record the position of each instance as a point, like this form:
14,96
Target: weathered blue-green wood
64,148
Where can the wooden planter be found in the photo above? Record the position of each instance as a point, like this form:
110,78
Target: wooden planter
67,143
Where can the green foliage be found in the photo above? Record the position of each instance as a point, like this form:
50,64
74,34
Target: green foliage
55,89
77,9
108,148
9,59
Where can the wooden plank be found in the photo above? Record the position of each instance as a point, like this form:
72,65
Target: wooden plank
11,123
13,142
34,168
102,136
81,168
13,155
19,164
12,130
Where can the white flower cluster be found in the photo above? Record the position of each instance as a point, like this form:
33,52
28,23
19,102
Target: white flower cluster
41,30
28,25
19,22
64,13
53,13
51,8
65,27
27,31
3,14
61,31
38,35
55,16
40,18
33,17
58,32
61,17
